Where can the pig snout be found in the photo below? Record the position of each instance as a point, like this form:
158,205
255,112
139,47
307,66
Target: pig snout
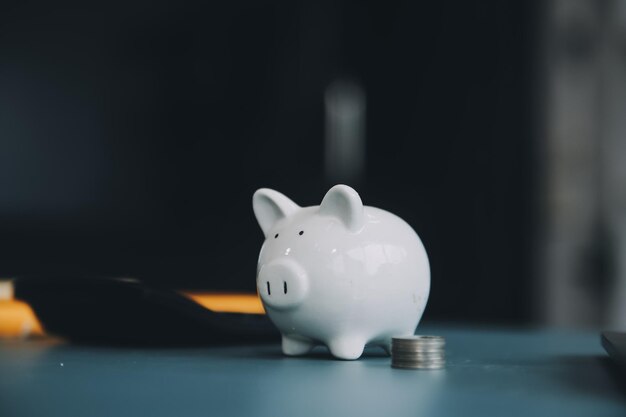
282,284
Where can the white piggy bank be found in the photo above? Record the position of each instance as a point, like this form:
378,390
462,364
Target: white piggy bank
339,274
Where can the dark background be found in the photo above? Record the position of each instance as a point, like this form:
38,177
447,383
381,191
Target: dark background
133,134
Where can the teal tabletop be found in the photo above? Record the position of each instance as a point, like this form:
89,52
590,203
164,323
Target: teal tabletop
498,372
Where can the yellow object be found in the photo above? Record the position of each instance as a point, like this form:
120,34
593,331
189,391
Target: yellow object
17,320
228,303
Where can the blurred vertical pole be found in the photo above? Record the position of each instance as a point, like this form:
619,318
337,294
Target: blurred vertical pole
571,161
585,252
344,158
614,159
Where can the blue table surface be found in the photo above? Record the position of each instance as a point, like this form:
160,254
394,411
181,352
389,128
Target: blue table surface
489,372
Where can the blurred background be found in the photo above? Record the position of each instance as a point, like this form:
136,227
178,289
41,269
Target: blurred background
133,134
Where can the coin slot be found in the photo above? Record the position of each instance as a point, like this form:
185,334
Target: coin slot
285,287
269,291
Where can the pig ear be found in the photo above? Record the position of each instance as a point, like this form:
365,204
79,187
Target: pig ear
270,206
343,202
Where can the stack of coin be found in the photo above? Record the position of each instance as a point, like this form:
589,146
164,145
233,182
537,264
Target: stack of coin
418,352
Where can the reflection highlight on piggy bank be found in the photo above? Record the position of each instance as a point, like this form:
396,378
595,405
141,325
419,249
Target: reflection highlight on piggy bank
339,274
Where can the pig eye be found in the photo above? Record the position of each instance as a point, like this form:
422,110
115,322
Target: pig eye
301,232
276,235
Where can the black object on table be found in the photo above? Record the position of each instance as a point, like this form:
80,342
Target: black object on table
126,311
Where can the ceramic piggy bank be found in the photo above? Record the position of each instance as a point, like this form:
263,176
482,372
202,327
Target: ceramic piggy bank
339,274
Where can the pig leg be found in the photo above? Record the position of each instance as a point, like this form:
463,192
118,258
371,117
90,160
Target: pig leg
295,347
346,347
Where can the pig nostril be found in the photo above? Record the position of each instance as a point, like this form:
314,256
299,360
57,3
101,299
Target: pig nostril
269,292
285,286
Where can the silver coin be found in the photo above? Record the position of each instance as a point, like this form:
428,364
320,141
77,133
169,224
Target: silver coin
414,358
418,352
418,366
418,339
419,363
398,366
418,357
418,345
418,349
